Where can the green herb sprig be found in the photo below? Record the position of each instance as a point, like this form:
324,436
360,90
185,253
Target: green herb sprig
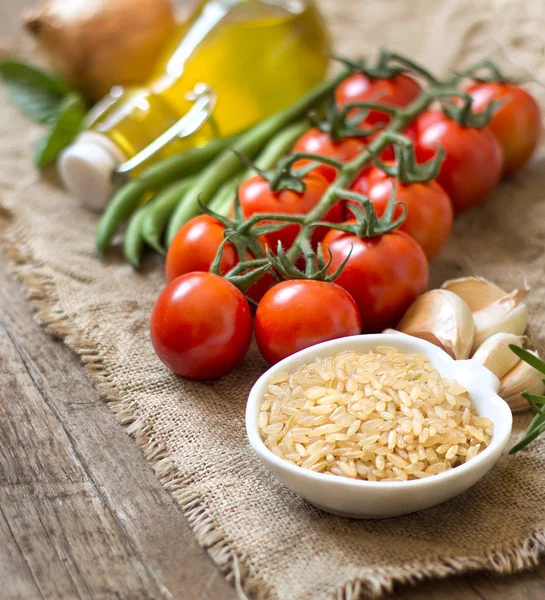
46,100
536,401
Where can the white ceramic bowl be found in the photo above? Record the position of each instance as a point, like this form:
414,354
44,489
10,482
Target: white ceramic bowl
369,499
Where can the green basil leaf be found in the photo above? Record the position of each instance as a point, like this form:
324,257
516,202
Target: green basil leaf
65,129
36,93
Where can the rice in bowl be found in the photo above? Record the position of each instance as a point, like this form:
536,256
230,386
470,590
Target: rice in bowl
378,416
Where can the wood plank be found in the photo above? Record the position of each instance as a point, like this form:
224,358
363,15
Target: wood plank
529,585
523,586
113,463
454,588
17,581
70,540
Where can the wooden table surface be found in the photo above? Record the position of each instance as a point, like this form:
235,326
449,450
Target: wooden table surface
81,513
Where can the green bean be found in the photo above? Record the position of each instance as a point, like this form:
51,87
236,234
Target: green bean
175,167
280,145
133,242
123,203
159,211
223,199
226,164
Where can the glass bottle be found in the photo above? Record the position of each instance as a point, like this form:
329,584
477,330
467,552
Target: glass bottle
257,56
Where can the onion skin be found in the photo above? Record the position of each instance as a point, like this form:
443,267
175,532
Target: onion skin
96,44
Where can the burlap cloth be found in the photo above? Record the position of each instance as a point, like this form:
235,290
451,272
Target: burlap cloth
272,543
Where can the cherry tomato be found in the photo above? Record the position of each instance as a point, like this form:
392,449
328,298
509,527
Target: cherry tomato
201,326
473,163
256,197
195,246
384,274
398,91
428,208
294,315
516,125
315,141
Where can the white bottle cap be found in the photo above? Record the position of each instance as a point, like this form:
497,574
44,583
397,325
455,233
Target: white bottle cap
87,166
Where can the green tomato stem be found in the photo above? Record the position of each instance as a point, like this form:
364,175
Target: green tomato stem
280,218
412,66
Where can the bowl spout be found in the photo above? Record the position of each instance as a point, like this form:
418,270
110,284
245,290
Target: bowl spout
470,372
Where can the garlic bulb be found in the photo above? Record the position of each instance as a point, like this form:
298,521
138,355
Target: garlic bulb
508,314
521,378
495,354
475,291
442,318
96,44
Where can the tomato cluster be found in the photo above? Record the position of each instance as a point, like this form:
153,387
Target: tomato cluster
201,326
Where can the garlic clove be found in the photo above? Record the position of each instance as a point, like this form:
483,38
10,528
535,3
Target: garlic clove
475,291
521,378
494,353
442,318
508,314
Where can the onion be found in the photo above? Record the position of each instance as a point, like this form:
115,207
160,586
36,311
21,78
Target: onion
96,44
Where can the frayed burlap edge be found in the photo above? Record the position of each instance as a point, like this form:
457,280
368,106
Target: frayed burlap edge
40,288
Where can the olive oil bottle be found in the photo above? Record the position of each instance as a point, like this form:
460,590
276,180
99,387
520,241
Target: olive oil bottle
256,56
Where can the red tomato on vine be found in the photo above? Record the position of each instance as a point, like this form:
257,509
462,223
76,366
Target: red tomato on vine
384,274
201,326
319,142
296,314
256,197
516,124
473,158
195,246
398,91
428,208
